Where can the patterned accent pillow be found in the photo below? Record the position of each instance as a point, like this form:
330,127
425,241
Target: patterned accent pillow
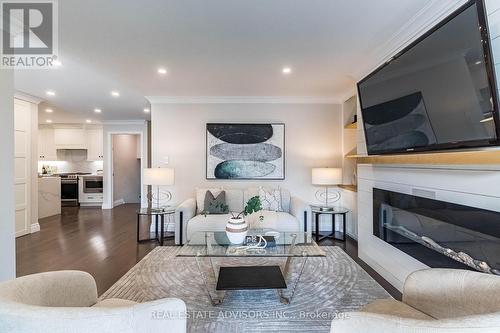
215,205
200,197
270,199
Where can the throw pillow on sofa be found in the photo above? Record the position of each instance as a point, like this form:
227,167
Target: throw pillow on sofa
270,199
200,197
215,205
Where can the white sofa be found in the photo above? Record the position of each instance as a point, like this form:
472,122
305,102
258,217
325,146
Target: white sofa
66,302
434,301
296,216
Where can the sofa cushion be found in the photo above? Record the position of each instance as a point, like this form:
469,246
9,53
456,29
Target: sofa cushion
234,199
395,308
207,223
215,205
280,221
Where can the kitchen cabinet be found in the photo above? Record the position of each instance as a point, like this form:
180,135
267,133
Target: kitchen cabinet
70,138
95,145
46,145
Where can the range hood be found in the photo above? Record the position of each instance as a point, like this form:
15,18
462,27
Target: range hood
75,155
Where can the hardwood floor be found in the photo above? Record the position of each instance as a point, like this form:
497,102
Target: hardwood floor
103,243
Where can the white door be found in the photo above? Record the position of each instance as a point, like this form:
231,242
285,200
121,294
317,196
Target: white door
22,156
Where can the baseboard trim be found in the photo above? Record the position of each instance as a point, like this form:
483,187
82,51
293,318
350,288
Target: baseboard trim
388,276
107,206
118,202
353,236
35,227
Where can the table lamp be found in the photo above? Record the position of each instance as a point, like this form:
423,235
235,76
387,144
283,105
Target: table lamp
158,177
327,177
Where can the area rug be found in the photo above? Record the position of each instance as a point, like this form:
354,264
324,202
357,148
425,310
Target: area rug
328,287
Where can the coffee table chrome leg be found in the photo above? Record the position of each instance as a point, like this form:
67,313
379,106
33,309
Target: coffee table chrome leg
210,280
292,285
283,299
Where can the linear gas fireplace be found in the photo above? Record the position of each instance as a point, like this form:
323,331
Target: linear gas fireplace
438,233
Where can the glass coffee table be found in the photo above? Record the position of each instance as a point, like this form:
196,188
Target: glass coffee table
277,262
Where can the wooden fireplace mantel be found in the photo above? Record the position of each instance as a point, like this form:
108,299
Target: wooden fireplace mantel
476,157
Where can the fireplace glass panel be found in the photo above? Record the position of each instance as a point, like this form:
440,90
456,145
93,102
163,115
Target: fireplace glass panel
438,233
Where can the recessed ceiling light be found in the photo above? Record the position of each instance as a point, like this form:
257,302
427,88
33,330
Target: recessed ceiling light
115,93
50,93
286,70
147,110
48,121
88,121
97,110
162,71
56,63
49,110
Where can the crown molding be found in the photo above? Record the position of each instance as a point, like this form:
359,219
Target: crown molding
27,97
243,100
430,15
124,122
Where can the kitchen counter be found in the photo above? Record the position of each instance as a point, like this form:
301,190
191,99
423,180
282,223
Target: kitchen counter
49,196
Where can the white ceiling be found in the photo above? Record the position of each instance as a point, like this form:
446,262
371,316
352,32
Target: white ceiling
212,48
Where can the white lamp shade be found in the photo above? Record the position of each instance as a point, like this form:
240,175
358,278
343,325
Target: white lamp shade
326,176
158,176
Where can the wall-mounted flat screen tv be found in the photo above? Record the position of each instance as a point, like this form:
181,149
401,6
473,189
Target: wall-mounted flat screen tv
438,93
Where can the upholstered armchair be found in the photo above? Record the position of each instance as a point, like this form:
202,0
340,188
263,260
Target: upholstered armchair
66,302
434,300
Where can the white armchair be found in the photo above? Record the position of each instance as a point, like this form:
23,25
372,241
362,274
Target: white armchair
66,302
434,301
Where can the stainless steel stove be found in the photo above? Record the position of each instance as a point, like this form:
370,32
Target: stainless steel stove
69,188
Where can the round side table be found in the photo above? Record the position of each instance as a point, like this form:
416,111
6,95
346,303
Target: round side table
332,211
159,217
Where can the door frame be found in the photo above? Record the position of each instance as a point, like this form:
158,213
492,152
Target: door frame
108,186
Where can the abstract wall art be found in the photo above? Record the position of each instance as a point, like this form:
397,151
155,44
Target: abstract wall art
245,151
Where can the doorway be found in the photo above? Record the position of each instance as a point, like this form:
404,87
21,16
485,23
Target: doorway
127,152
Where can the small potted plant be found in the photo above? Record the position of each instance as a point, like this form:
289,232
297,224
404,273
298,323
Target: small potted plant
237,227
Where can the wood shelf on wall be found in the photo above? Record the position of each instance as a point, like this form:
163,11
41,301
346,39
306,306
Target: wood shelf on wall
477,157
351,126
352,153
352,188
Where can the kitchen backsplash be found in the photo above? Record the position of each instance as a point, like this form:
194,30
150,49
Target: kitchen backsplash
74,160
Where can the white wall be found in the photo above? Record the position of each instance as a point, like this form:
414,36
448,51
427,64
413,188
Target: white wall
127,168
7,240
312,139
134,127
